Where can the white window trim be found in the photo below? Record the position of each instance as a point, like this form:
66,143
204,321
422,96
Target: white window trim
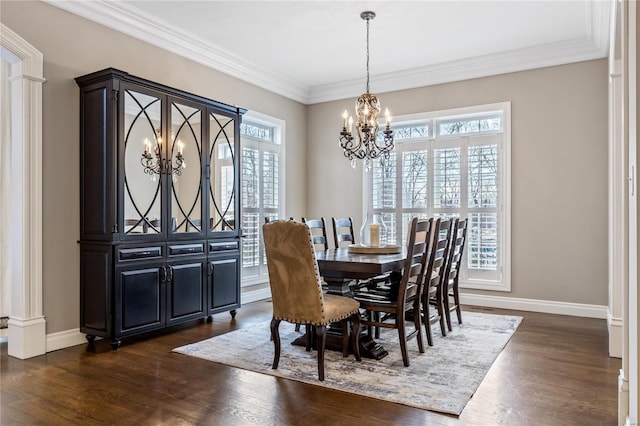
279,126
505,179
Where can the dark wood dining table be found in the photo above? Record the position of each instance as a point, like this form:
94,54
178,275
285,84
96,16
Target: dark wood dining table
339,268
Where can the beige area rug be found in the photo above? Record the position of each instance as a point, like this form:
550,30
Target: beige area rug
448,372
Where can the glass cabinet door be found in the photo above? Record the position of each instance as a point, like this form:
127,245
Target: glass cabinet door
143,152
184,166
222,182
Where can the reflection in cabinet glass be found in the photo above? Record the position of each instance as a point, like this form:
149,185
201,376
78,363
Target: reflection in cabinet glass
155,162
142,160
186,149
222,184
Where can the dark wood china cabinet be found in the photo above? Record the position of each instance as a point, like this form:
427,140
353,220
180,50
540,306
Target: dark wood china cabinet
159,206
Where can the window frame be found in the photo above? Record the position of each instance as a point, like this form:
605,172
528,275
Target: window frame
503,210
278,147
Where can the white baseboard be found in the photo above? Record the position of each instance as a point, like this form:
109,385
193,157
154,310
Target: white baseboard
534,305
65,339
255,295
73,337
26,337
616,342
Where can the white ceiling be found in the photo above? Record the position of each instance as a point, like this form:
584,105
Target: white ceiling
315,51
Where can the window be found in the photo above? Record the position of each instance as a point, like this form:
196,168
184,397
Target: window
261,178
448,164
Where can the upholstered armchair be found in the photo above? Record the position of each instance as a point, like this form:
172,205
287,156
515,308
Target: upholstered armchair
296,290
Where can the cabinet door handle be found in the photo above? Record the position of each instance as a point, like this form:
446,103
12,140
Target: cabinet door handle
163,277
170,271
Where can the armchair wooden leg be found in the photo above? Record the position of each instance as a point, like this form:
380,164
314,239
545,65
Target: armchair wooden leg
275,334
321,333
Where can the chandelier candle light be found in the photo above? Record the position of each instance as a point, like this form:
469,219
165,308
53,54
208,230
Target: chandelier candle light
368,107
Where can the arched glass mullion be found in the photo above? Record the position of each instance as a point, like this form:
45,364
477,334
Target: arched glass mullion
211,153
187,213
143,110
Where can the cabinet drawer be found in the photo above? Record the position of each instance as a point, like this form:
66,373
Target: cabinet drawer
182,249
135,253
223,246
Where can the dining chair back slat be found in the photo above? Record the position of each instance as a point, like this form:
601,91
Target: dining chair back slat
343,232
318,229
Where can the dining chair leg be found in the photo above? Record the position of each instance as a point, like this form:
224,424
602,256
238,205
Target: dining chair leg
447,312
441,314
275,334
418,325
456,299
297,326
355,335
443,328
345,337
309,336
377,319
427,322
321,335
402,336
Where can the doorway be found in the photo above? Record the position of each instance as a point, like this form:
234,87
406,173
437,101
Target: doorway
26,324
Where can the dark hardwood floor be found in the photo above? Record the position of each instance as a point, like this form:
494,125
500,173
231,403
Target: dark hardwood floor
554,371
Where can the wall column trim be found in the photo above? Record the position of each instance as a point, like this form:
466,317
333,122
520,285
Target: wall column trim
27,325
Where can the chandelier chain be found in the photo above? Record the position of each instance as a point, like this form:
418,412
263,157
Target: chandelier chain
368,55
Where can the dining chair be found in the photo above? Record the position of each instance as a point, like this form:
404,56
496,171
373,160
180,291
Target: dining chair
434,277
450,293
389,310
296,290
315,226
343,231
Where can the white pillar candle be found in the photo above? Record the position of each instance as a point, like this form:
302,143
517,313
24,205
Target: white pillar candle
374,234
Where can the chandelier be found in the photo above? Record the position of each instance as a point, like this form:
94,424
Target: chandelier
368,146
152,162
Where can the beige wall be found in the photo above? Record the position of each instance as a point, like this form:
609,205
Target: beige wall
559,171
73,46
559,153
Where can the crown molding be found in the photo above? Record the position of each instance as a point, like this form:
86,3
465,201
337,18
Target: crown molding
465,69
128,20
